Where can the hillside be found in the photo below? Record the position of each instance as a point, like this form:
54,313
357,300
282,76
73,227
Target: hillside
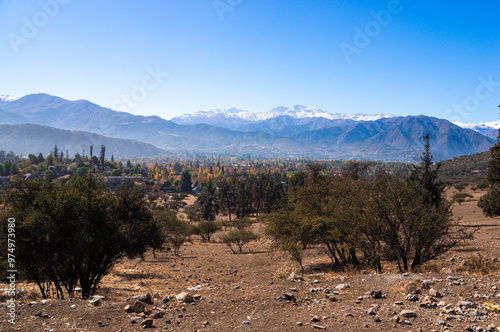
472,168
291,133
29,138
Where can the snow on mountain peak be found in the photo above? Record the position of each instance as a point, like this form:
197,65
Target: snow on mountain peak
8,98
484,125
297,112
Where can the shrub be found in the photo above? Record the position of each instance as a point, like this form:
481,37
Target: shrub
480,264
206,229
236,239
75,232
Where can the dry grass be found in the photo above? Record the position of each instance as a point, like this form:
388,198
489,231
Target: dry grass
479,264
283,272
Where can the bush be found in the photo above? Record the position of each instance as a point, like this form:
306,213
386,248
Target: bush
480,264
75,232
206,229
236,239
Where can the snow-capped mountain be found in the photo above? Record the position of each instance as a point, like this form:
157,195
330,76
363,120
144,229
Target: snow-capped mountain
295,112
7,98
489,129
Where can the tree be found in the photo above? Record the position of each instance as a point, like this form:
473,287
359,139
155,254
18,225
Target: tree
91,155
236,239
116,172
103,156
56,152
186,182
81,171
354,169
73,233
416,217
208,202
490,203
426,176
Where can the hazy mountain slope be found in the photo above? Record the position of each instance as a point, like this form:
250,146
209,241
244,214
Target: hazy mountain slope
29,138
11,118
286,133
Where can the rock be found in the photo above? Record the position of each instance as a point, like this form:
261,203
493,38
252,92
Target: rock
166,299
134,320
206,323
138,307
294,277
376,294
157,315
481,312
319,327
435,293
467,304
97,300
377,319
184,298
315,319
446,270
408,313
371,312
341,287
147,322
246,322
299,323
197,297
128,308
412,297
426,284
146,298
289,297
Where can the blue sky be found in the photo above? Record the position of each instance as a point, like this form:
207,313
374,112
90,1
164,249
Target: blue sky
172,57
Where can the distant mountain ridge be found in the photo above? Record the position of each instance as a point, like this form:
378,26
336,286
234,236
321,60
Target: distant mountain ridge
295,112
30,138
287,132
488,129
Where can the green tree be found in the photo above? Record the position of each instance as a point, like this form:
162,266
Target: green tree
74,233
81,171
186,182
490,203
208,202
238,238
116,172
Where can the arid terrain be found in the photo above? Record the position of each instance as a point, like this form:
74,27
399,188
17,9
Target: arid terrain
254,291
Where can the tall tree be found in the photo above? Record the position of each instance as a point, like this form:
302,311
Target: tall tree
209,202
490,203
103,156
56,153
186,184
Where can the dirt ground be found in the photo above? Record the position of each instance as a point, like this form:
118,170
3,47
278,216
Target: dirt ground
251,292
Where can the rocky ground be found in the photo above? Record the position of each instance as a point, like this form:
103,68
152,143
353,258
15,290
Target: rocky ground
209,288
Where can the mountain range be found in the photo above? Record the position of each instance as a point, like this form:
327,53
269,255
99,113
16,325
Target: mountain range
300,131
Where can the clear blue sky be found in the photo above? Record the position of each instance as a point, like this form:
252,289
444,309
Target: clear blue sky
257,55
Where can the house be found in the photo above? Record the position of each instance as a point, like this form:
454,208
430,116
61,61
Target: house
64,178
29,177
